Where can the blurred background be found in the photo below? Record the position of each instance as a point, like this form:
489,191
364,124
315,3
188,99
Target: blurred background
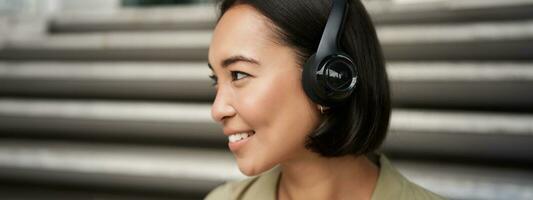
110,99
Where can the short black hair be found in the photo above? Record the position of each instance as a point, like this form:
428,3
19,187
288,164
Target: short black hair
360,124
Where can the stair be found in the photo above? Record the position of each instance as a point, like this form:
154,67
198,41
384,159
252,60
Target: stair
411,130
117,106
171,170
424,83
499,41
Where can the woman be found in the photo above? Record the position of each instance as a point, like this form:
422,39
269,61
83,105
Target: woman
303,96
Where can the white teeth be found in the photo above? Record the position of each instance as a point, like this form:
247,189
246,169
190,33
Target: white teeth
238,137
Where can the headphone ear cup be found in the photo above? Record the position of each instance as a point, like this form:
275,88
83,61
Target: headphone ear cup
339,76
331,80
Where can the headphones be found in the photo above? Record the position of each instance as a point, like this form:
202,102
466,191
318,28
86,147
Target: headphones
330,76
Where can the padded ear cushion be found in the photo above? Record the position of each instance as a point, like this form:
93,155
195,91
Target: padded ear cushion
309,81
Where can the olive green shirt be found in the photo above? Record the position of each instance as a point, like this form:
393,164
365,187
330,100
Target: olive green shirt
390,185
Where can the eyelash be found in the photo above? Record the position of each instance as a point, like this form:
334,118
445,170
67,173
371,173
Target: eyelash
214,78
239,72
233,76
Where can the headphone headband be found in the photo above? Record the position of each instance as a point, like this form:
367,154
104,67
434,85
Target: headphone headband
332,32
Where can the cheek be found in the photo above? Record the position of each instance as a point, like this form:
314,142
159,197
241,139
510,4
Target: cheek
278,106
296,117
260,101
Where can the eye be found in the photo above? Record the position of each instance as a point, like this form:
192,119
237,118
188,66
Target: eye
238,75
214,78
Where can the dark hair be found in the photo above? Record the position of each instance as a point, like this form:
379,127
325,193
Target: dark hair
359,125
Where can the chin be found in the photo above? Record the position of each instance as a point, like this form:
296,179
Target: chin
250,168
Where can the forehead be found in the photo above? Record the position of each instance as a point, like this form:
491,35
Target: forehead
242,30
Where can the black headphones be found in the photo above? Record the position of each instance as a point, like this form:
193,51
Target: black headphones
330,76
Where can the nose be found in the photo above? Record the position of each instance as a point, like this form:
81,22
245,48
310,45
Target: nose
222,108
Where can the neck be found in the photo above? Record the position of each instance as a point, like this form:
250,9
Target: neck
316,177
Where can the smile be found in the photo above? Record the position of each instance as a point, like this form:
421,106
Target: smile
240,136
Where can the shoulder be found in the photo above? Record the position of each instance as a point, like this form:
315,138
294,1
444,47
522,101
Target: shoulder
393,185
413,191
230,189
262,187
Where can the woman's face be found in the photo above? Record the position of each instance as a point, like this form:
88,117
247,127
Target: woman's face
258,89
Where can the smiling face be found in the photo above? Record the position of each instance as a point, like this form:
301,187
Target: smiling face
259,89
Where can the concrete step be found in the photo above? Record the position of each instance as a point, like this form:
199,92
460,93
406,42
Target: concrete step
135,19
17,191
433,84
460,181
203,17
446,11
182,171
468,41
461,135
122,80
462,84
165,45
196,171
144,121
488,137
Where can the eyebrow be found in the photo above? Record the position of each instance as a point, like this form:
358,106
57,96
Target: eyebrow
234,59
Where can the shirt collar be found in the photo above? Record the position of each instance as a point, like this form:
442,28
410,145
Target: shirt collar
388,185
390,181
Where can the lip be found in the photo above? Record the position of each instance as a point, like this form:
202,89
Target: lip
235,146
